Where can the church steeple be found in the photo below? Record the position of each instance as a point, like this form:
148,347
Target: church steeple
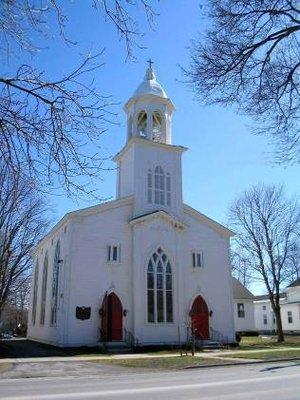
149,165
149,111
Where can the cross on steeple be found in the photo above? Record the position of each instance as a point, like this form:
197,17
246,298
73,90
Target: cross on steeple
150,62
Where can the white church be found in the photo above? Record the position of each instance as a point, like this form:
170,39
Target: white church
144,269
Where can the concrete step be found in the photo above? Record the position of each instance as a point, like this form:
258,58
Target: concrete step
208,344
116,344
116,347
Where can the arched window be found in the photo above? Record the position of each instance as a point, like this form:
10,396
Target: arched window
142,124
149,186
159,288
168,189
156,126
55,282
159,188
44,290
35,290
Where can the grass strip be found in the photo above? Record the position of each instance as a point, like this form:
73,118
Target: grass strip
163,362
267,355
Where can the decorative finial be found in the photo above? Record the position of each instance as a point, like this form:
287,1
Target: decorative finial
150,73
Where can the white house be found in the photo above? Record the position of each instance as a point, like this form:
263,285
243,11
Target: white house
265,320
145,267
243,308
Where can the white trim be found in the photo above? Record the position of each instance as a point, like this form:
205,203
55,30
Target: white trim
208,221
147,142
109,205
158,214
148,96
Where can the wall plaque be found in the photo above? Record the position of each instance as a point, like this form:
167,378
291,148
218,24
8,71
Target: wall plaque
83,312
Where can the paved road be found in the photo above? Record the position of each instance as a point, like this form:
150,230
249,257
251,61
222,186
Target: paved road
272,381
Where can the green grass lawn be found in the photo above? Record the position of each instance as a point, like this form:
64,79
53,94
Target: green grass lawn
261,342
267,355
163,362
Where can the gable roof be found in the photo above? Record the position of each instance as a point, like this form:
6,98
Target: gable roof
267,297
240,291
158,214
208,221
84,212
295,283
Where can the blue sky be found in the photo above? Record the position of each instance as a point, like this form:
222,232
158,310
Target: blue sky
223,158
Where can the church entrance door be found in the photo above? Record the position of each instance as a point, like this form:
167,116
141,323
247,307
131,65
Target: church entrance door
112,318
200,318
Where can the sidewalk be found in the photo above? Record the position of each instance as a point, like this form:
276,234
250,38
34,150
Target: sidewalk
217,354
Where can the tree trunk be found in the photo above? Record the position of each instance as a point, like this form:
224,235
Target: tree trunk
280,336
1,323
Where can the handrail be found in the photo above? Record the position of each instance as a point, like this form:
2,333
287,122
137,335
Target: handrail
219,337
130,339
192,340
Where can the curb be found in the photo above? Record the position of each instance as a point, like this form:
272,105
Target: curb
243,363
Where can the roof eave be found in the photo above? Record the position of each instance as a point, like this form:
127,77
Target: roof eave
212,223
148,142
150,96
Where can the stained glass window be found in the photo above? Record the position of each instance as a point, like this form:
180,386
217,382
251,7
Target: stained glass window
44,290
55,284
159,288
35,291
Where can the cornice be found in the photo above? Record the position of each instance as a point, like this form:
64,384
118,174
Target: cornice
146,142
158,215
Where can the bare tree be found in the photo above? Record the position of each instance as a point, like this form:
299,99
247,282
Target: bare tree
22,223
240,267
15,312
46,126
49,126
18,19
250,56
294,261
267,228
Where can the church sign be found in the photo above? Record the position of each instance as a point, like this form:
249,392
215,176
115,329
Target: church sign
83,313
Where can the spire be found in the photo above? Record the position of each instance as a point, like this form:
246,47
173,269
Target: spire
149,71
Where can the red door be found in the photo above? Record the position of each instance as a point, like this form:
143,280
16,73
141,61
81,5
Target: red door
112,319
200,318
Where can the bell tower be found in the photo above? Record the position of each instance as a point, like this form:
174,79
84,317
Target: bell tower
149,111
149,165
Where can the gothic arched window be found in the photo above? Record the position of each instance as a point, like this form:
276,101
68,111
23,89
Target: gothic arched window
142,124
168,189
159,288
35,290
44,290
159,188
55,284
156,126
149,186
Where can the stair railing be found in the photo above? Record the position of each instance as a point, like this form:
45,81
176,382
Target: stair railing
217,336
130,339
